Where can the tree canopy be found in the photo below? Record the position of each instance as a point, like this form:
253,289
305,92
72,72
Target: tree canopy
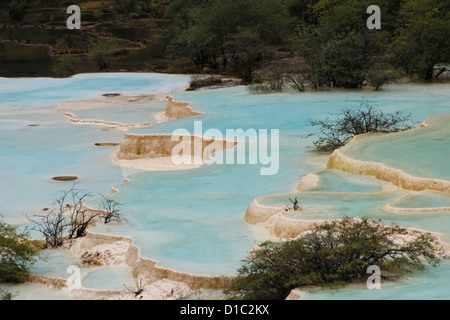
17,253
205,36
331,35
336,252
350,122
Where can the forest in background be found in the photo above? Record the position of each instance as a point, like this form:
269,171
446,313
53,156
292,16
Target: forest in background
308,42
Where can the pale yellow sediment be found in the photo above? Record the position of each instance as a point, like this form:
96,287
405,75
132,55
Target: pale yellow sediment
150,152
296,294
127,254
174,110
104,102
156,164
134,146
275,221
178,110
114,191
379,170
392,208
112,124
311,180
338,160
47,281
158,290
155,152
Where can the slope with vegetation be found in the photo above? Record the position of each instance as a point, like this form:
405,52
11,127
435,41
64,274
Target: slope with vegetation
298,42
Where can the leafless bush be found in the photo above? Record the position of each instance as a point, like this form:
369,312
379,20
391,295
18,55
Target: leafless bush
70,217
111,211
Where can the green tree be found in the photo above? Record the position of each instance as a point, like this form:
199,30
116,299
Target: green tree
6,294
66,66
304,11
17,253
213,23
141,7
378,77
101,52
126,6
346,60
17,9
243,51
339,47
334,253
422,40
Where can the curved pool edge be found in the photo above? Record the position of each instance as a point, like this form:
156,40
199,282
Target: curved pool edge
383,172
145,269
338,160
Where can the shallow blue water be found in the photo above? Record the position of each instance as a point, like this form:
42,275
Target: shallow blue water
109,278
190,221
412,151
25,94
144,114
424,200
432,284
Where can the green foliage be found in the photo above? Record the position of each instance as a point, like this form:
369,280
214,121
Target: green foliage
17,9
125,6
354,121
6,294
17,253
239,37
65,66
271,85
143,8
203,81
213,32
183,9
377,78
422,40
62,46
304,11
260,88
101,51
333,253
243,51
339,48
346,60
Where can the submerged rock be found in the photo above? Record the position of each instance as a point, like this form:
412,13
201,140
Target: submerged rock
107,144
65,178
111,94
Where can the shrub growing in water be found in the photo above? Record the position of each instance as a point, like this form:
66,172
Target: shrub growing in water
333,253
200,82
351,122
17,253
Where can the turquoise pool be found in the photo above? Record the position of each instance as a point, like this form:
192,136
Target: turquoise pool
191,221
